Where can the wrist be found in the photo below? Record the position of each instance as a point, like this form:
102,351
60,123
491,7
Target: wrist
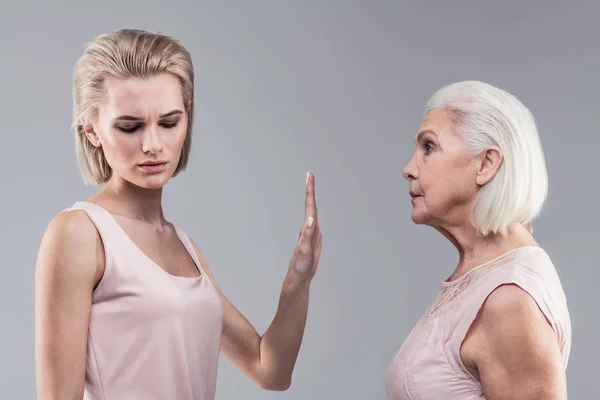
294,282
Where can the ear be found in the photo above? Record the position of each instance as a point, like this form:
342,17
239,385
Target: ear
91,134
490,161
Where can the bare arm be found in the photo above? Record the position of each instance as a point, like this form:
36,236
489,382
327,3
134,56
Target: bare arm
70,263
515,349
269,360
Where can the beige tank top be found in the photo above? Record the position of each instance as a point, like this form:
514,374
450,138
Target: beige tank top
428,365
152,335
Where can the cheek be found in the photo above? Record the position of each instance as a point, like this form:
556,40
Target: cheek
451,198
431,177
173,141
446,187
119,147
178,137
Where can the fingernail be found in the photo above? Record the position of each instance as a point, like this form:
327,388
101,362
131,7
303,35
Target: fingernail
307,175
310,221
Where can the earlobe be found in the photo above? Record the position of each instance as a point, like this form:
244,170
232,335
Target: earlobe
491,160
91,135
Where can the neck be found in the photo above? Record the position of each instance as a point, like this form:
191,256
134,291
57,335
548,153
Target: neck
474,249
127,200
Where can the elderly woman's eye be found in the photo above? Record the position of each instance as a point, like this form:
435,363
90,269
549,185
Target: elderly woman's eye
428,147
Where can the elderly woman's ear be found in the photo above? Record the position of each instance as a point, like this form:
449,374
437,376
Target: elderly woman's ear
488,163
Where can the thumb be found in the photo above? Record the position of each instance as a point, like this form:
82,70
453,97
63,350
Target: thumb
307,235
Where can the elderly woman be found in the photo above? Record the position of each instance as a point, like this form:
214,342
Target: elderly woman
499,328
126,305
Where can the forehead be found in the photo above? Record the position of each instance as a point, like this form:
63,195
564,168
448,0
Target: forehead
439,122
135,96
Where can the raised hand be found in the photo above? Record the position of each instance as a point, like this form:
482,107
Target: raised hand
306,256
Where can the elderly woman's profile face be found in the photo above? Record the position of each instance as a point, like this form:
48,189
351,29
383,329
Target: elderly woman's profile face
441,173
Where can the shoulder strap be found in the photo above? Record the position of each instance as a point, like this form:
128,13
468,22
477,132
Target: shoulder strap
101,218
187,243
105,225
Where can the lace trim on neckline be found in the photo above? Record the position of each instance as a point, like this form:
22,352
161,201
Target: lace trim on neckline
450,292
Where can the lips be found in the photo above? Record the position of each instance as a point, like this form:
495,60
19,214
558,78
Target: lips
153,166
152,163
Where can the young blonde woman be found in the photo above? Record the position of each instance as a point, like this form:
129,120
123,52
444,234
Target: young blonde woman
126,305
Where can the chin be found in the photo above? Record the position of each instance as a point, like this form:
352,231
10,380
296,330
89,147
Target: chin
419,218
153,185
151,182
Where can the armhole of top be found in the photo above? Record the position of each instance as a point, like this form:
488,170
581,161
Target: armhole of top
99,285
458,336
461,332
187,243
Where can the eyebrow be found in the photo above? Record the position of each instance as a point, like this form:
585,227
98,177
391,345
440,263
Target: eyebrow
423,133
132,118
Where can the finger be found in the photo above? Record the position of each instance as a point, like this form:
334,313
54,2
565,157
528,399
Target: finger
317,247
305,246
310,203
317,236
308,233
308,228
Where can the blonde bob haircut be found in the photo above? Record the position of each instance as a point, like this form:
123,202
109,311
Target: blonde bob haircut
485,115
125,54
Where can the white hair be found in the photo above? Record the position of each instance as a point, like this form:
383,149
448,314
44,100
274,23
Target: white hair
488,116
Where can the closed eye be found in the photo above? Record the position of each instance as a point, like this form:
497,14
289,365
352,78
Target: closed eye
128,129
134,128
169,125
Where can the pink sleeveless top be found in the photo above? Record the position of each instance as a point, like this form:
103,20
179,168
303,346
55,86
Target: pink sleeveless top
152,335
428,365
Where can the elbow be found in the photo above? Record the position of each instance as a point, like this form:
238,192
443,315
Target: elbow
275,385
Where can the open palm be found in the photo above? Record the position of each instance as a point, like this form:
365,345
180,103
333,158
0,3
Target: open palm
306,256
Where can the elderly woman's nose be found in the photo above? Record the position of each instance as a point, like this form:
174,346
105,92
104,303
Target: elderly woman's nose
409,170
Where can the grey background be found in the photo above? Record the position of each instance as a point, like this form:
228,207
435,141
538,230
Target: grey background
337,88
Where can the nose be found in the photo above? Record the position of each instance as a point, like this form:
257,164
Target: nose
153,142
410,170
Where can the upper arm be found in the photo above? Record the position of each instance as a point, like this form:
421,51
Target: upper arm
70,262
517,353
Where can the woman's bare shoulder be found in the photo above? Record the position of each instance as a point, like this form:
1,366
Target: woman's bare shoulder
72,245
